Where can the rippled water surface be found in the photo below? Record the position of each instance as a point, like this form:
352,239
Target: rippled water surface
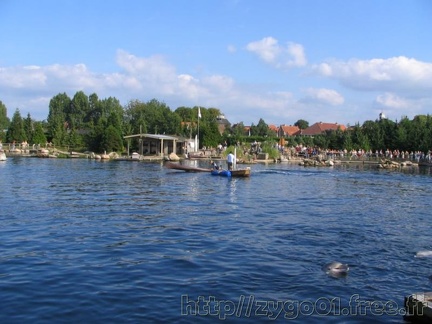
87,241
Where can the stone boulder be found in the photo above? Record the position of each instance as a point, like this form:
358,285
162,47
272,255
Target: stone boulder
174,157
388,164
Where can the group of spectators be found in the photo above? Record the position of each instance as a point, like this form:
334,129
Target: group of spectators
304,151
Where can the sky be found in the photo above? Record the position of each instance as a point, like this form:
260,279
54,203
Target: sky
333,61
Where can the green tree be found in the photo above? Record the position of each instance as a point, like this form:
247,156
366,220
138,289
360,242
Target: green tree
113,112
28,129
103,114
347,141
56,122
4,121
237,131
388,129
73,140
184,113
213,114
402,133
336,139
261,129
359,139
373,132
16,131
38,136
322,141
302,124
210,134
135,116
79,111
95,110
111,140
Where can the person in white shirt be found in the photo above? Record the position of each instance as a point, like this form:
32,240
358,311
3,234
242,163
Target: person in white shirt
230,161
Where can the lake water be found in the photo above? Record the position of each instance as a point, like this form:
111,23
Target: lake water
84,241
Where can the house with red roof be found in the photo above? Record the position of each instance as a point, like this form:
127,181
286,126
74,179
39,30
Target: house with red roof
320,128
288,130
274,129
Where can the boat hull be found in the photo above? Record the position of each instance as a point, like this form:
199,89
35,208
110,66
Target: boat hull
241,173
187,168
223,173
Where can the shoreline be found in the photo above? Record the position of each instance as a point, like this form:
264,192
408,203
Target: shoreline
45,153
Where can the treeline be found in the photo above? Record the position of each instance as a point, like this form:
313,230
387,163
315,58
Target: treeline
407,135
89,123
404,135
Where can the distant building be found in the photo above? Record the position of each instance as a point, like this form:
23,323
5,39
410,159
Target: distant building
288,130
320,128
382,116
222,123
274,129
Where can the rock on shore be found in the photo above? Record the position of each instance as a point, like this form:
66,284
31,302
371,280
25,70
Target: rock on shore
316,162
389,164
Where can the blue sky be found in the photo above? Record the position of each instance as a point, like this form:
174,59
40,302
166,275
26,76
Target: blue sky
279,60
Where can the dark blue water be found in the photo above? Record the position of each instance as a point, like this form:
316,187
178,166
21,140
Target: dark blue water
87,241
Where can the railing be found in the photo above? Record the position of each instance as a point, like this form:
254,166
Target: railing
23,147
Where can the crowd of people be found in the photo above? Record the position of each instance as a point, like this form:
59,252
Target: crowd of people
417,156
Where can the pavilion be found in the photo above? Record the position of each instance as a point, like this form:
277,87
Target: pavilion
157,144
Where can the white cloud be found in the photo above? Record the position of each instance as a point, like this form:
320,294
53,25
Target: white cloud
219,83
396,74
298,55
391,100
269,50
189,86
143,78
146,68
325,96
396,106
30,88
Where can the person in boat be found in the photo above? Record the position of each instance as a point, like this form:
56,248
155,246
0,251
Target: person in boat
230,161
214,165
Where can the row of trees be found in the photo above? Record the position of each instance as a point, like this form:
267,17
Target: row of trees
407,135
89,123
19,128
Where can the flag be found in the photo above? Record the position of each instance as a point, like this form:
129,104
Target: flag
199,112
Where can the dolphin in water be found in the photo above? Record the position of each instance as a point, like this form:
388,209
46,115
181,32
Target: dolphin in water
423,254
336,269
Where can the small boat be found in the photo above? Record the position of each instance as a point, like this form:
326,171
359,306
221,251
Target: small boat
187,168
3,156
222,173
241,173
